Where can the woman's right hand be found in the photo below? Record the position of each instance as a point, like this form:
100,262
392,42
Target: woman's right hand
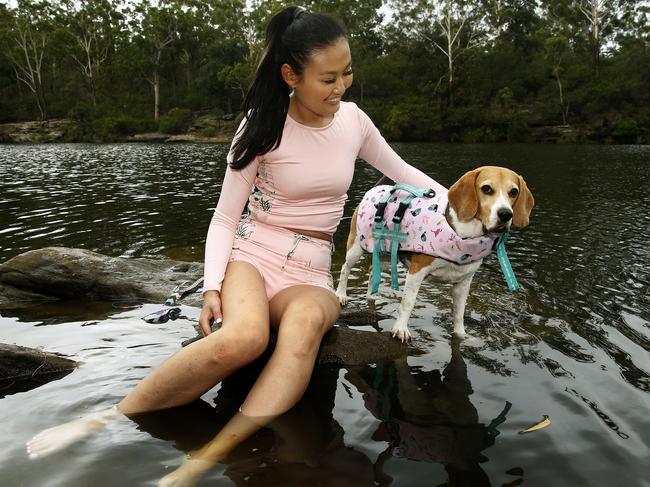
210,312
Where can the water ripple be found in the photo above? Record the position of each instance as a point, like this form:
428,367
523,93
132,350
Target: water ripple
573,342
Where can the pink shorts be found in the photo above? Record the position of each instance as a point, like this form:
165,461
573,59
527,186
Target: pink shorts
283,258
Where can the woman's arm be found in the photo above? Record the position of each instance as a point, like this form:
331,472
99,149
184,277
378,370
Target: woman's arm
376,152
235,190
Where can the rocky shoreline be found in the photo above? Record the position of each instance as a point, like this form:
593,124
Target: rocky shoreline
210,129
205,128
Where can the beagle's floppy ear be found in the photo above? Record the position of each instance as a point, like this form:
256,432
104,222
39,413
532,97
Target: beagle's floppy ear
462,196
523,205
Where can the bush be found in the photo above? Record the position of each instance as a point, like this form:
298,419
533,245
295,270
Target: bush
209,132
412,119
626,130
175,121
483,134
114,127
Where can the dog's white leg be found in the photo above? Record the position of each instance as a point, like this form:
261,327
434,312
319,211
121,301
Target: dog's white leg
352,256
459,293
369,295
385,266
411,287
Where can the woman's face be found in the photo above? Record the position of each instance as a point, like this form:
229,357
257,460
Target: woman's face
328,73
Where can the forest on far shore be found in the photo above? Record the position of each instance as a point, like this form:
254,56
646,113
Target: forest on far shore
448,70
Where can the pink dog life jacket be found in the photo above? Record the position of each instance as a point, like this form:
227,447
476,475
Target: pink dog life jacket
424,222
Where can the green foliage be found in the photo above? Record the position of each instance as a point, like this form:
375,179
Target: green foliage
626,130
117,127
412,119
518,66
209,132
175,121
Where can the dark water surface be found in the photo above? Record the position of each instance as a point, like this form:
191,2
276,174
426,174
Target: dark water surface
573,344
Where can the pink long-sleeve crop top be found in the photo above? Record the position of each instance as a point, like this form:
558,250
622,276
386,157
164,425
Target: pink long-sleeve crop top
303,183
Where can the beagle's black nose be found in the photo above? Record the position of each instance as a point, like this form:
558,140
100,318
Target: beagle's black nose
504,215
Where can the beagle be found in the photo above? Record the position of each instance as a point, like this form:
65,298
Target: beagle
479,207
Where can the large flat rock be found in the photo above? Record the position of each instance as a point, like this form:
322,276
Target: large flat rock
65,273
80,275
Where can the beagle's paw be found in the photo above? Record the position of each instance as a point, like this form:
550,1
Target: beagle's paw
460,334
401,333
342,296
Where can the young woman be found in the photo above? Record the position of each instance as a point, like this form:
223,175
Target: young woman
292,159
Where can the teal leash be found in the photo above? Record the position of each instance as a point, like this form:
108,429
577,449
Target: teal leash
504,262
500,419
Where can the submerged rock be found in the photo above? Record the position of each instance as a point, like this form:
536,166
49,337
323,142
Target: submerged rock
14,297
22,368
347,347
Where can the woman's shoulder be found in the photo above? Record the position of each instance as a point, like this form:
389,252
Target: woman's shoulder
353,114
351,110
349,107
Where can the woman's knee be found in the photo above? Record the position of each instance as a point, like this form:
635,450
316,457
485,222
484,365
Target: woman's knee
303,327
238,345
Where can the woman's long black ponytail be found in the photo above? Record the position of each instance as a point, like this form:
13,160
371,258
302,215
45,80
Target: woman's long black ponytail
291,37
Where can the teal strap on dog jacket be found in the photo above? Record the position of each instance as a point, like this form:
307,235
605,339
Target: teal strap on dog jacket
416,192
380,232
504,262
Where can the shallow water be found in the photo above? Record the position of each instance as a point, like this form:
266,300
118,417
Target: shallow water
572,344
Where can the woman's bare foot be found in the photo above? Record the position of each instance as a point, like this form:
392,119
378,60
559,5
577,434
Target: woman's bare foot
199,462
187,475
57,438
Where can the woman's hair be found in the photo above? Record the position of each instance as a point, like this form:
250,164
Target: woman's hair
291,37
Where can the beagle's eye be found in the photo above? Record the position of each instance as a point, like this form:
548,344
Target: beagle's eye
486,189
513,193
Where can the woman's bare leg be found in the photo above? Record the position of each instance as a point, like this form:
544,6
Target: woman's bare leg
303,314
193,370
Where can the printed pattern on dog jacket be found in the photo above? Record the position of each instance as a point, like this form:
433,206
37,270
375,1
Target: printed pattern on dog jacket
425,224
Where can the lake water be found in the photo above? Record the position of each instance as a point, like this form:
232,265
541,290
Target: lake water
572,344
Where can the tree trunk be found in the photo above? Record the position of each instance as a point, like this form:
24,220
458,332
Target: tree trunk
559,85
41,107
450,83
156,95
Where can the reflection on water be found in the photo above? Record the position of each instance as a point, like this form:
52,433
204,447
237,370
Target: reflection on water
427,416
572,344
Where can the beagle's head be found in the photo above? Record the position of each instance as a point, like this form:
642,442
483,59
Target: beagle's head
495,197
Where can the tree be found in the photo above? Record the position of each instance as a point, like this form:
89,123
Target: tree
598,14
237,77
213,42
91,26
454,27
29,36
155,28
599,18
556,49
